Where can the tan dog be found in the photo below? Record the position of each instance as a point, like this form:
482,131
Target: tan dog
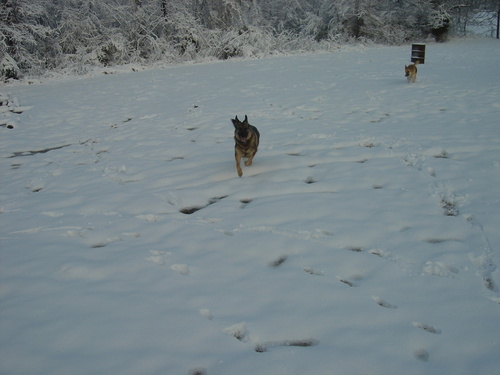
411,72
246,138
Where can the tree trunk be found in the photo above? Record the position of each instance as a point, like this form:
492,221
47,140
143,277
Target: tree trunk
498,23
164,8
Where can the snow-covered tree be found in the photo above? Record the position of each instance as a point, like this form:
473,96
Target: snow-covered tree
24,36
74,34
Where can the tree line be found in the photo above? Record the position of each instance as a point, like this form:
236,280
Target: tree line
37,36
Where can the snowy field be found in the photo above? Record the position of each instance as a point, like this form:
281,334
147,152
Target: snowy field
364,239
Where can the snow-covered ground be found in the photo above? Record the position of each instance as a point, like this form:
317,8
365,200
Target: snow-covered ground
364,239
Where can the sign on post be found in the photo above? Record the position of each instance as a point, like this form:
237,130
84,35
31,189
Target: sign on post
418,53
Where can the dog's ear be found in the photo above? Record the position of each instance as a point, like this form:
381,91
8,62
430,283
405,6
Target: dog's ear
245,121
235,121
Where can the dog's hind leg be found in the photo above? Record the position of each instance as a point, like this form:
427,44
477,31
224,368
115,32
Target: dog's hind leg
249,160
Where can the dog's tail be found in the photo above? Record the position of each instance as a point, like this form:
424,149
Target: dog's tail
416,62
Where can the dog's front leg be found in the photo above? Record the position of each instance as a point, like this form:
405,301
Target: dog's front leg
237,156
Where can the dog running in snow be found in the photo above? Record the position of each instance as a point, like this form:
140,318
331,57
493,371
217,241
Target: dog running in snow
246,138
411,72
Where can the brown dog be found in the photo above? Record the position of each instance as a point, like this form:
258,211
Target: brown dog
411,72
246,138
